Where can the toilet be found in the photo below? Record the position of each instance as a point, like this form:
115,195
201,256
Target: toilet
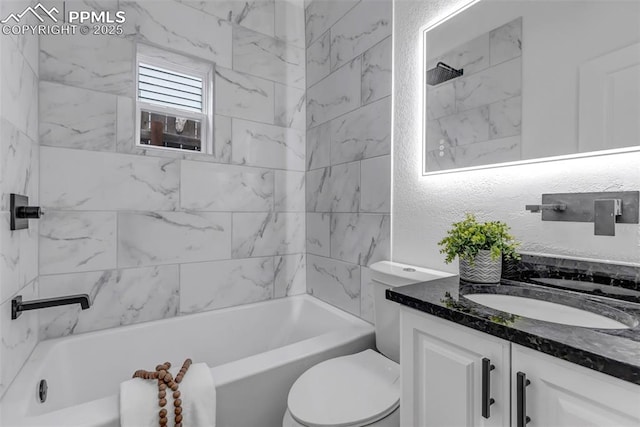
361,389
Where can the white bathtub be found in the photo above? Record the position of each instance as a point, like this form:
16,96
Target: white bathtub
255,352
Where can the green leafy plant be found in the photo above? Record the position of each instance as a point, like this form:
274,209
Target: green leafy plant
468,237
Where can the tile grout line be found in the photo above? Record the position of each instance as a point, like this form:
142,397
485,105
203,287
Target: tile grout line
350,111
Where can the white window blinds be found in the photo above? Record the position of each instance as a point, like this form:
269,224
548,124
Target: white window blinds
169,88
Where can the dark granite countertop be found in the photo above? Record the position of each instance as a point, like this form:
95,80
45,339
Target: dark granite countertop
612,351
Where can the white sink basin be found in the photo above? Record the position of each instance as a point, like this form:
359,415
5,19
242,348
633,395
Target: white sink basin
544,310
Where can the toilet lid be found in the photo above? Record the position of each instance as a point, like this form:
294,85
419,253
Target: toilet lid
353,390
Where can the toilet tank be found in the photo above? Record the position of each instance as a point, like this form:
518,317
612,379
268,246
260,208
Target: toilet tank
386,275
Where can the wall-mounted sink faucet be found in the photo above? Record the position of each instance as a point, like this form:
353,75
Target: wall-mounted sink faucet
604,209
18,306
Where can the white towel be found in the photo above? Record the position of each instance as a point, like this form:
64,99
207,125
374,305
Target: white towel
139,400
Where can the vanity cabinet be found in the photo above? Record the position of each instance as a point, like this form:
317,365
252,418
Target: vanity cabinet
447,381
449,372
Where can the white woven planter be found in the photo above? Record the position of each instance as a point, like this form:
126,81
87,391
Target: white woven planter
483,270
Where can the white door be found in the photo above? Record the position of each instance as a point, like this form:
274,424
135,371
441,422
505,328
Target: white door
563,394
609,100
442,374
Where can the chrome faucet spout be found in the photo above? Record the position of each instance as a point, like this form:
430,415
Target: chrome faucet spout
18,306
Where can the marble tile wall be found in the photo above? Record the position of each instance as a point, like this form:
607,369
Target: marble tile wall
348,144
19,161
476,119
151,234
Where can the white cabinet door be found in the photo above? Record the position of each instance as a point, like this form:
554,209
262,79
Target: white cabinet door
563,394
442,374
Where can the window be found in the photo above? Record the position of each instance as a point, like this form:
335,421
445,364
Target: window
174,101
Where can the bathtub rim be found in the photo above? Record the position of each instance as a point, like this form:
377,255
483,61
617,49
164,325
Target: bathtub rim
24,383
274,301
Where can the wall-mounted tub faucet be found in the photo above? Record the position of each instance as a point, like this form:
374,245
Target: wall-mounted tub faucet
18,306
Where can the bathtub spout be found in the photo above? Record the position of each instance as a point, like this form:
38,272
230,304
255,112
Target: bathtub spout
17,306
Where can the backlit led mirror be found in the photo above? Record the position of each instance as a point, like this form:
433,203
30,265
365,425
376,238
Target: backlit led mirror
511,81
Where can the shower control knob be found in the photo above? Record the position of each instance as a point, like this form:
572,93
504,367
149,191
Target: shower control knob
21,212
29,212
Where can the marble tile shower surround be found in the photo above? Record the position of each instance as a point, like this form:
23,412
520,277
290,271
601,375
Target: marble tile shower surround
149,233
348,142
477,116
97,185
19,171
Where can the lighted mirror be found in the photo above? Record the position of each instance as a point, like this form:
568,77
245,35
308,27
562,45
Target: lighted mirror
511,81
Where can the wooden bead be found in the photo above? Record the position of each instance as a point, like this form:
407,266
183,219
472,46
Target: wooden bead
162,402
174,387
160,368
178,419
161,374
177,402
162,394
163,421
179,425
167,364
162,413
162,386
177,411
176,394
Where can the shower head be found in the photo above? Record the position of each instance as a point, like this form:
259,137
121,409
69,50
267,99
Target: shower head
441,73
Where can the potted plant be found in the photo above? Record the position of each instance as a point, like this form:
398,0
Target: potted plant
480,248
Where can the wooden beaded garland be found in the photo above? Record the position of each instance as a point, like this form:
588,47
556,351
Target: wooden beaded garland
164,379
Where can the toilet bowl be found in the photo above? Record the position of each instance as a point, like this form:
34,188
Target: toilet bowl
361,389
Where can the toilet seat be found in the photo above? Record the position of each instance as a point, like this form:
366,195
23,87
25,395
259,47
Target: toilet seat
348,391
